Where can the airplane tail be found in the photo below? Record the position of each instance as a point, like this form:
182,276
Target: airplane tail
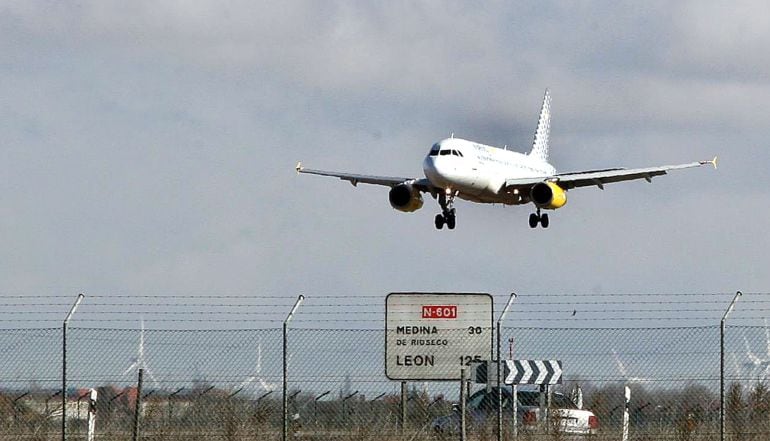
542,133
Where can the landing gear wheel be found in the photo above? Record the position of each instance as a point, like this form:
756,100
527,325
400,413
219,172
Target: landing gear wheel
544,220
451,220
533,220
439,221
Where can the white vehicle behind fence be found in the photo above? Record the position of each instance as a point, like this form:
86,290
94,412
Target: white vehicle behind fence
482,407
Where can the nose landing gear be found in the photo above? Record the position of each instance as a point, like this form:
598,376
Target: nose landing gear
537,218
447,218
447,215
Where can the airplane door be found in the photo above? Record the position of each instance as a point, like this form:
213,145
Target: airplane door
474,171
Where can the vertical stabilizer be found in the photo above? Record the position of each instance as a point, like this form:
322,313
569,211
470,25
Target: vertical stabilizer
540,144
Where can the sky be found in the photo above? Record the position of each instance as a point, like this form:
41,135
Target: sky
149,147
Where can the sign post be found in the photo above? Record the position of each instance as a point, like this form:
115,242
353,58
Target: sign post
430,335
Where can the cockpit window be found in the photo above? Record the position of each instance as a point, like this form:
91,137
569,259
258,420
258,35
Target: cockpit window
437,151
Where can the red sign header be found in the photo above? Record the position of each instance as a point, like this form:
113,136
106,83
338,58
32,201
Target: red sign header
439,311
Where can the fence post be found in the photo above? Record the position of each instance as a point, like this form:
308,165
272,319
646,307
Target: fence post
463,399
722,428
171,403
64,368
500,370
514,397
402,409
285,410
138,406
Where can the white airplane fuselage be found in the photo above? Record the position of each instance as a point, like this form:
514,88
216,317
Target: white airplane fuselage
477,172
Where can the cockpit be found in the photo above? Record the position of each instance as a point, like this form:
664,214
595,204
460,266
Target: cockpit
436,150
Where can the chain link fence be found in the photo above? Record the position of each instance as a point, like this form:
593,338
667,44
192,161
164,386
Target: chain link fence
227,384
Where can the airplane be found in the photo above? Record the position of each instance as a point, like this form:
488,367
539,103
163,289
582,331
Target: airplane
458,168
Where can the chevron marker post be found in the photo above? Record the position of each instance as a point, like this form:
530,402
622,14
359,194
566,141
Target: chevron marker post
533,372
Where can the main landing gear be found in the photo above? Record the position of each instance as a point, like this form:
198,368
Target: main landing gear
447,215
537,218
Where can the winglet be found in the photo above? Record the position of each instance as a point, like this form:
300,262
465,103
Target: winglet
712,162
299,167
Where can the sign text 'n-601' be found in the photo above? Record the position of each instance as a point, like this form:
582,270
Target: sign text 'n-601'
433,336
533,371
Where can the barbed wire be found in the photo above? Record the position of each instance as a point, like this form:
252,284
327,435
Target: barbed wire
378,313
374,295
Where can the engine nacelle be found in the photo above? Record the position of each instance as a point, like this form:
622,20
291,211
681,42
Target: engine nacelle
404,197
548,195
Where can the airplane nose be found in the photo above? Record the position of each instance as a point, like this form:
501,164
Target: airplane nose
435,171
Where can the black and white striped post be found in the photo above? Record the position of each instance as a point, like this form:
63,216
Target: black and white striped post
627,398
91,415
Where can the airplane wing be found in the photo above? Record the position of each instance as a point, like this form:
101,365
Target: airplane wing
606,176
355,179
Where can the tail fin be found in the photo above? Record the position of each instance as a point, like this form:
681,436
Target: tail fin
540,144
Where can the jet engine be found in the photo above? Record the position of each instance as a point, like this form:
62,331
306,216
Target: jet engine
548,195
404,197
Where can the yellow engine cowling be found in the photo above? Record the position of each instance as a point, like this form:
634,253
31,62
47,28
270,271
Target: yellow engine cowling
548,195
404,197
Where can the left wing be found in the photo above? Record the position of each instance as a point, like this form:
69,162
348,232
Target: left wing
600,177
355,179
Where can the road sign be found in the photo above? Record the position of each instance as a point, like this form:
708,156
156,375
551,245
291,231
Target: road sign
432,336
533,372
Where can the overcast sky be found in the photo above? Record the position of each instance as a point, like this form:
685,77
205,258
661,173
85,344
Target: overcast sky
149,147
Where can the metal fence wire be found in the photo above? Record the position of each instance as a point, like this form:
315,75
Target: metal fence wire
227,385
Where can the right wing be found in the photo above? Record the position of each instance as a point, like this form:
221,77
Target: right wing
598,178
601,177
355,179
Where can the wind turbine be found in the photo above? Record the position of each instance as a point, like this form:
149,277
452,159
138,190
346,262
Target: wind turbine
257,375
624,372
139,361
756,362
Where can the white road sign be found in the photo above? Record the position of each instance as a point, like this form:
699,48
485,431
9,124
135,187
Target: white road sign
432,336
